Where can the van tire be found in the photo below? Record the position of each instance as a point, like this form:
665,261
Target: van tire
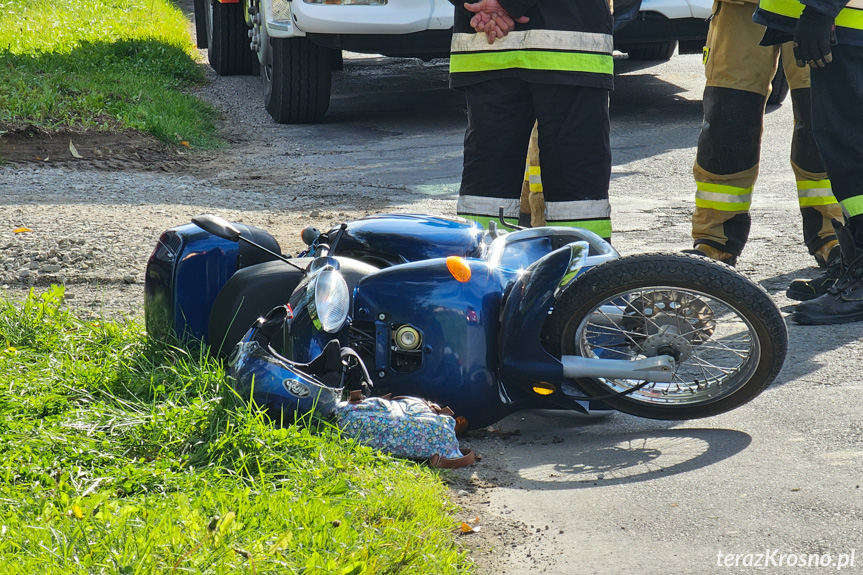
297,79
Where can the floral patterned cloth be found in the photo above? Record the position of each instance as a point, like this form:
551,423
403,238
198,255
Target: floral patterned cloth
406,427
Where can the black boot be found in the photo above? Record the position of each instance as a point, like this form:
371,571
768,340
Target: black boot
803,290
843,302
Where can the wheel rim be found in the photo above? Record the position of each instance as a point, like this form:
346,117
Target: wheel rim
715,347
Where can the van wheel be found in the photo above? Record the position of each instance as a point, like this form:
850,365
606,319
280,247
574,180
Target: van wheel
296,77
228,39
652,51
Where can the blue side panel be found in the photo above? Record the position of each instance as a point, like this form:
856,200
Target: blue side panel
456,365
184,274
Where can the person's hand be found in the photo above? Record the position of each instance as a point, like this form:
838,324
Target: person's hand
492,20
812,39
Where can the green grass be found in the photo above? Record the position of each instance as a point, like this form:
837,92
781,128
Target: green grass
119,455
102,65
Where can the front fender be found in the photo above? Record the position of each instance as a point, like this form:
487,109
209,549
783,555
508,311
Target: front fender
523,359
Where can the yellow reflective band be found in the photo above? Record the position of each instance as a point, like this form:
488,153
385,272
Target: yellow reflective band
552,61
847,18
602,228
815,193
722,189
853,205
850,18
722,206
813,184
722,197
534,179
790,8
817,201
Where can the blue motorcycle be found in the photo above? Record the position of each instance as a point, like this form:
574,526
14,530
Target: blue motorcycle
485,321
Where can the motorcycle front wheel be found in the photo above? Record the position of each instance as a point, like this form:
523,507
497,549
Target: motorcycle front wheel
725,333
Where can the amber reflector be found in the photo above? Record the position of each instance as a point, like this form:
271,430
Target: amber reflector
460,424
542,388
458,268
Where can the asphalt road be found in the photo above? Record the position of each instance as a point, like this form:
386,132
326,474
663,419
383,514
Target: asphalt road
777,478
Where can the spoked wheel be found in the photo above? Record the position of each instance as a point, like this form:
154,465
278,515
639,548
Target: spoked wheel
724,332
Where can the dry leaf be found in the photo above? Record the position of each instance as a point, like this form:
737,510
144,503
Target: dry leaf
74,151
21,230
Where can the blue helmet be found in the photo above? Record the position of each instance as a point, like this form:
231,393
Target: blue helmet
286,388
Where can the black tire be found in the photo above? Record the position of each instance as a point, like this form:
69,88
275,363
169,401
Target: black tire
779,86
724,331
200,7
297,78
691,46
652,51
228,46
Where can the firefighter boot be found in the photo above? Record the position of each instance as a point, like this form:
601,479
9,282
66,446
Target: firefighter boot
806,289
524,206
843,302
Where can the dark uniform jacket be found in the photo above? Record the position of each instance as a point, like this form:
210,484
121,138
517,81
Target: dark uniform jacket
566,42
783,14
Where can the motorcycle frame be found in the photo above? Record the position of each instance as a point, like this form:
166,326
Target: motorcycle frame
481,351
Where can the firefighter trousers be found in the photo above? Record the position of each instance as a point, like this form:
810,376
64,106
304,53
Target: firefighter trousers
574,134
738,81
837,116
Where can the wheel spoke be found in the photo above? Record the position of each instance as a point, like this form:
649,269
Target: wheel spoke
711,342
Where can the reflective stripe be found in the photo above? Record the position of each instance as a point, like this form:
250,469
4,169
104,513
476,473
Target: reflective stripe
567,41
534,178
723,198
556,211
851,16
790,8
486,206
853,205
577,209
815,193
817,185
555,61
602,228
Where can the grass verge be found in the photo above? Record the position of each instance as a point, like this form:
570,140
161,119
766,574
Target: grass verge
102,65
119,455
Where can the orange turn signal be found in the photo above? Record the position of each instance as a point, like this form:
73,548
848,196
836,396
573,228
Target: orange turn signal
459,268
543,388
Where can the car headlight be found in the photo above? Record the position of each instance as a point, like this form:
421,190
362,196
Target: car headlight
329,300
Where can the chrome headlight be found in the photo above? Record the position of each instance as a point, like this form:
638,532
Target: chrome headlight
329,300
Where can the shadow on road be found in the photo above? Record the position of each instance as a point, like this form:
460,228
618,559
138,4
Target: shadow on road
571,457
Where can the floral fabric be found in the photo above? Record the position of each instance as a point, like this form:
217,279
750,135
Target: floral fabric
405,427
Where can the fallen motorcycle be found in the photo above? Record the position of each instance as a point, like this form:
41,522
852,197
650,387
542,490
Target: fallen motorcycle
485,321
